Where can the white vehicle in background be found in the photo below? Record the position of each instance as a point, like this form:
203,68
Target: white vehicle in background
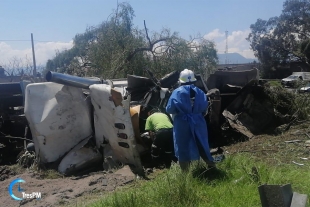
295,79
305,89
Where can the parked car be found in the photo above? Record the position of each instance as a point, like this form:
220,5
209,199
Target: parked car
291,81
305,89
295,79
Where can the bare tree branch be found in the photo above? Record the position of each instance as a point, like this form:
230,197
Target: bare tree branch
147,35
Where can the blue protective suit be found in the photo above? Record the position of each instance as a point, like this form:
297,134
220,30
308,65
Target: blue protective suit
190,131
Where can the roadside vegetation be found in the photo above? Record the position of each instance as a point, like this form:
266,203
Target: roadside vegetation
234,183
289,103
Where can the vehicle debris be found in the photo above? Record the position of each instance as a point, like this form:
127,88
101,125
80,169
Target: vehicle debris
83,157
68,113
14,132
232,79
277,195
113,125
253,112
59,117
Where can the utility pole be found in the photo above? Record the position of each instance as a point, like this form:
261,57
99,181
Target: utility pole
226,50
33,58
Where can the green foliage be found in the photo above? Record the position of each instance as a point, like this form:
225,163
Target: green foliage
116,48
305,49
233,184
274,83
293,105
62,60
278,40
281,99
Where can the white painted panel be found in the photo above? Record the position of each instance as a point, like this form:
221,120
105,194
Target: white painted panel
59,118
106,114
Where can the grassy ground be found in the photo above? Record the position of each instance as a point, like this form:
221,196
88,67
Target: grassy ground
233,184
275,83
262,160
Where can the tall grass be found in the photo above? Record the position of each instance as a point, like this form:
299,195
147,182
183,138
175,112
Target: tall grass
234,183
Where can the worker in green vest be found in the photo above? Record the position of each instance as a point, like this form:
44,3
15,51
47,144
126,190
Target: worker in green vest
161,132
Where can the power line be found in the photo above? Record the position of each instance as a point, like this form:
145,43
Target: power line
25,41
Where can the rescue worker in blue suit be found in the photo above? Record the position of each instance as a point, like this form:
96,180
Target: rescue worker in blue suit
188,105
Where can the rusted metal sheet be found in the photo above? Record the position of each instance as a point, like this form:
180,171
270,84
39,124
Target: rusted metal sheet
251,112
238,78
234,123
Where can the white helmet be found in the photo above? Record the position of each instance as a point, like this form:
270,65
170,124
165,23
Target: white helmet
187,76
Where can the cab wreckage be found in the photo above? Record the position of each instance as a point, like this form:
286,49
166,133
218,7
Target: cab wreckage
76,124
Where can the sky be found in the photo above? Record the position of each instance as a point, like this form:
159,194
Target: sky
54,23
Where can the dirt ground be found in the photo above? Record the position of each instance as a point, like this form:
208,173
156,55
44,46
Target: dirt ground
289,147
62,191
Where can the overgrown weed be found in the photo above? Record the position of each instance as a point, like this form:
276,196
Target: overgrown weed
295,105
234,183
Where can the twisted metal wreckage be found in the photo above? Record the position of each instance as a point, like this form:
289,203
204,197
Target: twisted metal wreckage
78,123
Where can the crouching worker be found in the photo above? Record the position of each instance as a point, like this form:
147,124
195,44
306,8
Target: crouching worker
160,130
188,104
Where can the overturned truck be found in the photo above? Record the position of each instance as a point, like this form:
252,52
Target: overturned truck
75,122
78,124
